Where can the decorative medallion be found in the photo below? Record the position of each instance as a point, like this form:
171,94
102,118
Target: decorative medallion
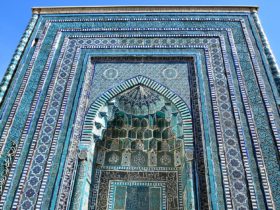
139,159
114,158
170,73
165,159
110,73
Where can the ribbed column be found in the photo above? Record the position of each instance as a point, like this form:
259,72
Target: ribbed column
80,197
17,56
189,185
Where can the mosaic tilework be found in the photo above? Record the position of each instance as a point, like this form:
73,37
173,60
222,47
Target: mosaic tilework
144,69
232,86
17,56
137,195
136,141
152,84
168,183
198,140
141,136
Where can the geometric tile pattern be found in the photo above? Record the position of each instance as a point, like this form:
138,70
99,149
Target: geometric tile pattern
123,193
134,141
168,187
218,65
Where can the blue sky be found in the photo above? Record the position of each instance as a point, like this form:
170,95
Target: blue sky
15,15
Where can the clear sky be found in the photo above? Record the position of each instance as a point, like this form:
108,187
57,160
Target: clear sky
15,15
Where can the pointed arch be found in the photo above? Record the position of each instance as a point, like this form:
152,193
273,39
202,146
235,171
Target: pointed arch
90,123
95,124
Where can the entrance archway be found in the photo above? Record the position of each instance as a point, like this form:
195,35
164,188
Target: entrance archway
137,138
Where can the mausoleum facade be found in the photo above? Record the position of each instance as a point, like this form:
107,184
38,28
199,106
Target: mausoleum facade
141,108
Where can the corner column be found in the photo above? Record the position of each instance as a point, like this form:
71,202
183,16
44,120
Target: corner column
80,197
188,179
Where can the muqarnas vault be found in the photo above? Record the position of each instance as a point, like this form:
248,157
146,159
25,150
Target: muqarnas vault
141,108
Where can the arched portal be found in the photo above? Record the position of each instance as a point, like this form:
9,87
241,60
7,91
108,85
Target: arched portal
136,150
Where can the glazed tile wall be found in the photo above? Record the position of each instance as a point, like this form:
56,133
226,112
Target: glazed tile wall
234,86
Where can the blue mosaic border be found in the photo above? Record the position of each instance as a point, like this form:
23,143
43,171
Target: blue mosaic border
275,128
